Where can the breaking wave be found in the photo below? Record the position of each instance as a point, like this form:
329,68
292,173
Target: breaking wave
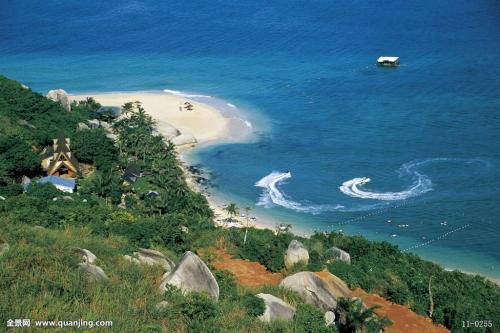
421,183
180,93
272,195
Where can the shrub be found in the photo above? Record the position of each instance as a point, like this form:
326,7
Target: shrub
254,305
308,319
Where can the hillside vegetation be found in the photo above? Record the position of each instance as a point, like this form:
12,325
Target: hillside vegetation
40,279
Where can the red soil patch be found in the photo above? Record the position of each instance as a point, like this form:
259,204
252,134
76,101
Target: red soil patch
403,319
248,273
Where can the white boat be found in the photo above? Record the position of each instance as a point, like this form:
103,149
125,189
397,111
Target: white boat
388,61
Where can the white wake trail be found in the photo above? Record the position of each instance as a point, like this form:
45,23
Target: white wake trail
421,183
272,195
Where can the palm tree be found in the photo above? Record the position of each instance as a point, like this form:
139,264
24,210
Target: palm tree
232,209
247,211
354,317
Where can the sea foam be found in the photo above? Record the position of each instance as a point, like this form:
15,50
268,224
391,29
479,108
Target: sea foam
183,94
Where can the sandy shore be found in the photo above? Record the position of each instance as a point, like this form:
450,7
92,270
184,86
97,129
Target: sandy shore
204,122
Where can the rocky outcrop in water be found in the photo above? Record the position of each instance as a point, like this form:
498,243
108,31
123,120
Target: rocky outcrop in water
276,309
60,96
295,253
191,274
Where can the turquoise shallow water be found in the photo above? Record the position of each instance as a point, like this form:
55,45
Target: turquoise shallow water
426,133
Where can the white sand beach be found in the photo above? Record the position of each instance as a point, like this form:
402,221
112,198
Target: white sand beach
204,122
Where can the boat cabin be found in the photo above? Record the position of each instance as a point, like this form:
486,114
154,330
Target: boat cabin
388,61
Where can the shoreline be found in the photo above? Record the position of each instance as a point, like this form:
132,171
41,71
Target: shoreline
210,126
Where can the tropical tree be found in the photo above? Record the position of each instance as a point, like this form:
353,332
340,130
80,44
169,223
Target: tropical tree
232,209
247,211
354,317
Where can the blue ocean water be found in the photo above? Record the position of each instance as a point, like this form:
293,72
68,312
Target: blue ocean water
426,134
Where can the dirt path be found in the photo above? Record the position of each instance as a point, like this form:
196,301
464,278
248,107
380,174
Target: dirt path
249,273
404,320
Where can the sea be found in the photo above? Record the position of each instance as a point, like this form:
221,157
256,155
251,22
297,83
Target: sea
408,155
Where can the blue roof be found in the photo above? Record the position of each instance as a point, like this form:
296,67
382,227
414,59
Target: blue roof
57,181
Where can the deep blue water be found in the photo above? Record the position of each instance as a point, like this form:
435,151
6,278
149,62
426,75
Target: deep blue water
428,131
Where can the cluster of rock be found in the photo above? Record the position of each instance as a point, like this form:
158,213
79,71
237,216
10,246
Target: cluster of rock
322,289
96,123
191,274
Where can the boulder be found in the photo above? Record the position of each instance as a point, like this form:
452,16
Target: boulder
82,127
2,198
183,139
191,274
25,87
94,123
335,285
61,97
295,253
338,254
161,305
329,318
152,257
131,259
112,136
94,273
312,289
87,256
4,247
105,125
169,131
276,309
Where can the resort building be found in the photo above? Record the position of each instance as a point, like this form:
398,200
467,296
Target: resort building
57,160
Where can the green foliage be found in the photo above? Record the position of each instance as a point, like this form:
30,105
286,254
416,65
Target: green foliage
45,191
262,246
403,278
354,317
17,158
41,275
94,147
309,319
254,305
